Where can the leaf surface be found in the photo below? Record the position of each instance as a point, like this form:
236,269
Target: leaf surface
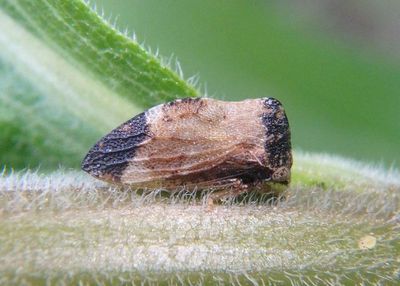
66,78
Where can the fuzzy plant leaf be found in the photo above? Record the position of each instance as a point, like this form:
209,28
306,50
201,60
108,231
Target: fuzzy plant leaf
338,224
66,78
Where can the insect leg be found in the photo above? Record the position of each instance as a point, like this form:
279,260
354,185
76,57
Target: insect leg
234,189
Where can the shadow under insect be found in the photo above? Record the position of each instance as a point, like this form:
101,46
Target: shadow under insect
272,194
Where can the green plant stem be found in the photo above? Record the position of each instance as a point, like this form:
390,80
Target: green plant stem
69,227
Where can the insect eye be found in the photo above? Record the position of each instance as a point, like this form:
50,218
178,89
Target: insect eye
279,114
281,174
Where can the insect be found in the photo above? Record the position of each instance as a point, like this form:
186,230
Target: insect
232,147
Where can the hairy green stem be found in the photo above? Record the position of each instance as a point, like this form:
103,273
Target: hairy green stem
68,227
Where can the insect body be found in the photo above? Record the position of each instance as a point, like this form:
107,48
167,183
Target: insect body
200,142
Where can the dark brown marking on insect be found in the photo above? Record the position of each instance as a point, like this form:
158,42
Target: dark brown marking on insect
250,175
277,134
109,157
182,108
187,100
167,118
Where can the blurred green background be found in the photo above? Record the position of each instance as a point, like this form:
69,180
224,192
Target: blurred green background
335,64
